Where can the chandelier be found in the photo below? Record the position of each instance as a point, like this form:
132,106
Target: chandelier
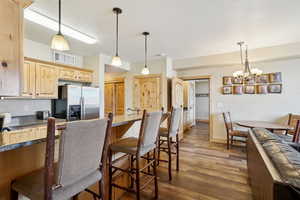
248,72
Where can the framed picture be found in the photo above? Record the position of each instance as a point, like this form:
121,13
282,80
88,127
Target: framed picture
238,89
264,78
237,80
250,80
249,89
262,89
275,88
227,80
227,90
275,77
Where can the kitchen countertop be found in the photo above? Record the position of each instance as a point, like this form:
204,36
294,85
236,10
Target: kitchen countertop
23,133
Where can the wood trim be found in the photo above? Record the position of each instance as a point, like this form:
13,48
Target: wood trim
148,76
202,120
189,78
57,64
116,80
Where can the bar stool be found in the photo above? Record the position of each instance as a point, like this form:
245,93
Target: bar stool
137,148
168,135
81,152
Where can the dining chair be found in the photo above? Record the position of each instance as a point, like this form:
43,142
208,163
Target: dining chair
231,132
170,137
293,120
82,150
137,149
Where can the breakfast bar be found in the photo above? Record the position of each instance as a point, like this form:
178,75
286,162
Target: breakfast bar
23,150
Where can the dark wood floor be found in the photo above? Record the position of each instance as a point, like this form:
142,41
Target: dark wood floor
208,172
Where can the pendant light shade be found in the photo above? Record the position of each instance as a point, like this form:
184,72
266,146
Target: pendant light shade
145,69
59,42
116,60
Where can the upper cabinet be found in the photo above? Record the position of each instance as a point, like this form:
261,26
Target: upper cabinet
11,48
40,78
114,98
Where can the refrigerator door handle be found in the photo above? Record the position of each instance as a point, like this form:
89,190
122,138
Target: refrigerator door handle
82,108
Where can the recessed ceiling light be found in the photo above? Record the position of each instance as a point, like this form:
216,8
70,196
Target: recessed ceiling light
53,25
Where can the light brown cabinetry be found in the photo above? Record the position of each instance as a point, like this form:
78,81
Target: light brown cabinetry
150,92
114,98
39,80
78,75
11,48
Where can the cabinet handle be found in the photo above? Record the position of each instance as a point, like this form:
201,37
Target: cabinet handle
37,94
4,63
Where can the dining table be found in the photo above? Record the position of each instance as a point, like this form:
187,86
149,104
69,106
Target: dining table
271,126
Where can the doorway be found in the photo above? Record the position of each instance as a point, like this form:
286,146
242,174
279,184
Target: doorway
197,105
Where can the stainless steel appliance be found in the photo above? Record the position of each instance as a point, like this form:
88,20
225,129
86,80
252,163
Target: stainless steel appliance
43,115
76,103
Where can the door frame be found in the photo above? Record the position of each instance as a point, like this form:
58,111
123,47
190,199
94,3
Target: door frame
208,77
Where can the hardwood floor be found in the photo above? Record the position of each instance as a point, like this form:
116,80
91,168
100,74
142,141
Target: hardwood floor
207,172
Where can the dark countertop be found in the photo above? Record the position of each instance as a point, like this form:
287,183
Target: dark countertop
28,121
16,138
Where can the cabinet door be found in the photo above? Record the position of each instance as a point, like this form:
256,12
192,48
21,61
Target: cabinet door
46,81
11,52
67,74
28,79
86,77
109,98
120,95
150,94
177,99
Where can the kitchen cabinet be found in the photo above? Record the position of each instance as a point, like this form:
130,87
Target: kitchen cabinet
76,75
46,81
150,92
114,98
28,75
11,48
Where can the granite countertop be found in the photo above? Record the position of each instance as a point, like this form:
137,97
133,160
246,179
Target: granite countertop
27,122
17,138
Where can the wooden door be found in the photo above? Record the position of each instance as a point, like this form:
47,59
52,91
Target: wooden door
119,99
192,99
11,48
150,94
46,81
177,99
109,102
28,79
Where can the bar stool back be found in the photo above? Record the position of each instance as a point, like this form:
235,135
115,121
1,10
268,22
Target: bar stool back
82,147
136,148
167,135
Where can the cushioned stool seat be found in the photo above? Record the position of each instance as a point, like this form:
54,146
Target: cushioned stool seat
130,146
32,186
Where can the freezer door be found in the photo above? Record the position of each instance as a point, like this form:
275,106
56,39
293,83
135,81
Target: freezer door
90,102
73,97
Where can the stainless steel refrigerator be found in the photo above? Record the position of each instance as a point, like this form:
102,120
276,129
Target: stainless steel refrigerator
76,103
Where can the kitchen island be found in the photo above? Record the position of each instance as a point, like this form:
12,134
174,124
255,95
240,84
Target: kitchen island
23,150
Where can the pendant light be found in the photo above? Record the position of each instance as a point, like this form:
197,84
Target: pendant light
145,70
59,42
116,60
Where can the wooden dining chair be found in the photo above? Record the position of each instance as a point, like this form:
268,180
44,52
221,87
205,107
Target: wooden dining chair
231,132
82,149
293,120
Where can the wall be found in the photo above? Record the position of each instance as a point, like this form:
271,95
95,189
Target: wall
271,107
22,107
41,51
202,103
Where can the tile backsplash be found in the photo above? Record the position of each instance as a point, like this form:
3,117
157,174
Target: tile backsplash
21,107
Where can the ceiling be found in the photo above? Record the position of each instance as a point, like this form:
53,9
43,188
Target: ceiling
179,29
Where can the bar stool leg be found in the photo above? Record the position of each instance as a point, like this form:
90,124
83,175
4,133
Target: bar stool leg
177,152
76,197
137,181
155,173
170,158
13,195
148,160
131,170
110,174
158,151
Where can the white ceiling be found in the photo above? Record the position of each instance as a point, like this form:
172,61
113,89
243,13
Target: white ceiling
178,28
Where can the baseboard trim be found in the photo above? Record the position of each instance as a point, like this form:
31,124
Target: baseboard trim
202,121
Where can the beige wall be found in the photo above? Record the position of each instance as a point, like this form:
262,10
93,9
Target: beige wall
270,107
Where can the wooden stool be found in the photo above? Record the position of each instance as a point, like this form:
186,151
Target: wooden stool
166,135
82,150
137,149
